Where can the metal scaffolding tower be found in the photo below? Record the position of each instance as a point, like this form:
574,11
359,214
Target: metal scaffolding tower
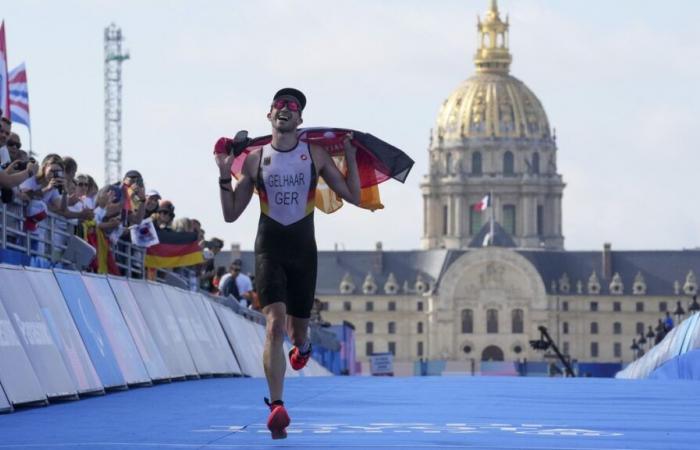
113,102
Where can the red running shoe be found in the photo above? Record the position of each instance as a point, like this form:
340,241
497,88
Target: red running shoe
278,420
297,359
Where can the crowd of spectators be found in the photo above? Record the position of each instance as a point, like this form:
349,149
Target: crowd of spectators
55,185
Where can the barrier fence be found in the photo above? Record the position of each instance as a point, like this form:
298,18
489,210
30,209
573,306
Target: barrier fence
66,334
676,356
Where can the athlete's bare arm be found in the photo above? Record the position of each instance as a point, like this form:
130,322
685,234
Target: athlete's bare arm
235,200
348,187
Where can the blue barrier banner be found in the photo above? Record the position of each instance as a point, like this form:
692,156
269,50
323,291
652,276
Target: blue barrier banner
146,344
163,325
4,402
246,345
90,328
196,337
31,328
225,361
63,330
117,332
17,376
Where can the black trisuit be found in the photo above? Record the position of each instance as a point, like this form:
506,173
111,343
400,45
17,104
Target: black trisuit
285,247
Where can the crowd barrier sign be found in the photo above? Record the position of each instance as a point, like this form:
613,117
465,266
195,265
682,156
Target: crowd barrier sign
248,354
116,330
145,343
159,316
16,373
93,335
64,331
31,328
196,338
223,358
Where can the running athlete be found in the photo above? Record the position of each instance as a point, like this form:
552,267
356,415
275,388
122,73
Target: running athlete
285,173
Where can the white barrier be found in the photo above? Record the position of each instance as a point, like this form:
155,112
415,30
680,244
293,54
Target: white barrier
65,334
33,332
146,344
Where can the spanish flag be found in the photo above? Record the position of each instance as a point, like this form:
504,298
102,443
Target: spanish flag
176,249
104,259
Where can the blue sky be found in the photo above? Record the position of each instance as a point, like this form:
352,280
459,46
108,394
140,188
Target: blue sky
618,81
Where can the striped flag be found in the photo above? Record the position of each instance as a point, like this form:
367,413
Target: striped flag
19,96
4,84
176,249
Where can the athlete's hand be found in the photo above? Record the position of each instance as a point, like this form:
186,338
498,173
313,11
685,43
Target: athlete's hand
350,150
222,157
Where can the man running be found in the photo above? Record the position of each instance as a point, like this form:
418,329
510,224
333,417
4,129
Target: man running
285,173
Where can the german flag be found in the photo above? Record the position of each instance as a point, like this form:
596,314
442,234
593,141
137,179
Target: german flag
176,249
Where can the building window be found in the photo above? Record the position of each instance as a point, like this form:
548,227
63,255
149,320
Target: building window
509,219
347,306
639,307
392,306
565,348
617,328
594,349
640,328
369,348
445,212
508,166
392,348
419,328
617,306
536,163
324,306
474,221
594,306
594,327
492,321
467,321
369,306
391,328
564,306
419,306
540,220
565,327
517,321
663,307
476,163
369,327
419,348
617,350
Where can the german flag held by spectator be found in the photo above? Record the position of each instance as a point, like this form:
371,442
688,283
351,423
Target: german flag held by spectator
176,249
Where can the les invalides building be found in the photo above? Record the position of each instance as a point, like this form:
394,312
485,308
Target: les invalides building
478,291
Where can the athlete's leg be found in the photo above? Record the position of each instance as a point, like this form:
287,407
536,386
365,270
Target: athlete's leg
273,355
298,330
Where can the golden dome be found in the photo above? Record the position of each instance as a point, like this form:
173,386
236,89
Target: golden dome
492,103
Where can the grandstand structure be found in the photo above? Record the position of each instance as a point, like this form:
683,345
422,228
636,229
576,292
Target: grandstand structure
114,57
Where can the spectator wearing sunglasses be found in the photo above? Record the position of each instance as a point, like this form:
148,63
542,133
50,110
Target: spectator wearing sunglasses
166,214
18,170
137,195
152,199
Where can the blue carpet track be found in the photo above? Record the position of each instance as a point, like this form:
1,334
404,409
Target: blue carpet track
363,412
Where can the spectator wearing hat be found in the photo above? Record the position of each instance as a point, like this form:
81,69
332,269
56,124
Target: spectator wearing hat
152,199
166,214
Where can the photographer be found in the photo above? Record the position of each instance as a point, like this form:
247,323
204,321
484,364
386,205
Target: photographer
137,195
17,170
47,185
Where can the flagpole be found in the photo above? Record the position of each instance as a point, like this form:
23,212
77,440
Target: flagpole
491,218
31,147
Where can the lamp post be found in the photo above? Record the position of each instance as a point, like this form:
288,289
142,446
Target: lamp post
635,349
650,337
694,306
679,312
642,340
